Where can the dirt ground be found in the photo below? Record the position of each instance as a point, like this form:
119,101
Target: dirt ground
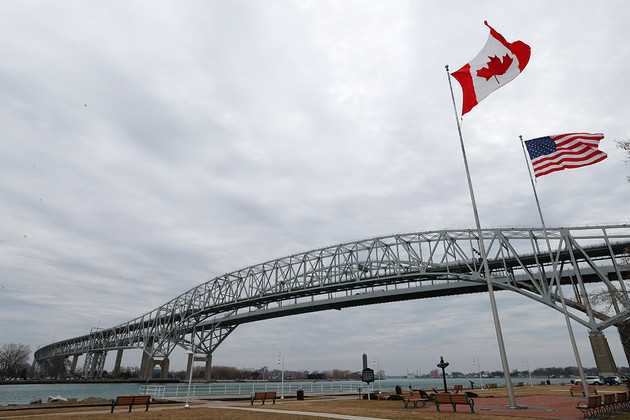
346,405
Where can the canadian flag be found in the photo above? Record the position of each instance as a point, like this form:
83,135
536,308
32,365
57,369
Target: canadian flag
498,63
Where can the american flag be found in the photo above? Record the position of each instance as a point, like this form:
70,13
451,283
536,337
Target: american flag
563,151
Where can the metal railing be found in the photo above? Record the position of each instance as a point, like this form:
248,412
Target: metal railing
248,388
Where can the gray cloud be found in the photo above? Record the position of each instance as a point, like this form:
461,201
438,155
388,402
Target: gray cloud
156,146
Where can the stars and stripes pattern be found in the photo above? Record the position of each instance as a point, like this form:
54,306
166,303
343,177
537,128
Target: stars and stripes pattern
564,151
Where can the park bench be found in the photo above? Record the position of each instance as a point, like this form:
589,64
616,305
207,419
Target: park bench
458,388
592,407
454,400
492,386
609,404
520,384
622,400
543,383
579,389
413,397
263,396
598,405
131,400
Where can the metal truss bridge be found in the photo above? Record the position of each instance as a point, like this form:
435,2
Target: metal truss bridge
590,260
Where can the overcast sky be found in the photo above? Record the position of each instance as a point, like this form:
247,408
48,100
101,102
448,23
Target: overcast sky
149,146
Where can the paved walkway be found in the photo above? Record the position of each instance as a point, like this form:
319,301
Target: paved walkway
226,405
542,406
306,413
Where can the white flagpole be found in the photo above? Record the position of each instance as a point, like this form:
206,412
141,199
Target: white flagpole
556,275
486,268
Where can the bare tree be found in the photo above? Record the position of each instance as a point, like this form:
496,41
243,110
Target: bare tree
14,360
625,146
58,366
608,299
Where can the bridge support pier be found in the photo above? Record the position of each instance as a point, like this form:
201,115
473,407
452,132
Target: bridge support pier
603,357
116,370
624,336
149,363
198,358
208,368
164,365
146,366
94,363
41,366
189,365
73,366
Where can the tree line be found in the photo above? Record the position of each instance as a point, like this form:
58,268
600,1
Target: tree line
15,358
14,363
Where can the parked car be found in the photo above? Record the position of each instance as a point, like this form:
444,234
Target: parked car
591,380
613,380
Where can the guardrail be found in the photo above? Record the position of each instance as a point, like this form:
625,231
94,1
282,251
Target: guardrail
247,388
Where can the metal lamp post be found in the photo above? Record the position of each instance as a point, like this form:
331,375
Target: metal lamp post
442,365
191,362
377,366
478,367
525,362
281,361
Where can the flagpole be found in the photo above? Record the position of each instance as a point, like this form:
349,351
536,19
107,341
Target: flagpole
484,256
556,276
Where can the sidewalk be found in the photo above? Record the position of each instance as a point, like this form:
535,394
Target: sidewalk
556,404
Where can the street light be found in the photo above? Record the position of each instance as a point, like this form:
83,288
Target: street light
281,361
525,362
377,367
191,361
479,367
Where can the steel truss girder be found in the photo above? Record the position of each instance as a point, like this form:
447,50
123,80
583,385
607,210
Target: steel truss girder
94,364
545,285
387,268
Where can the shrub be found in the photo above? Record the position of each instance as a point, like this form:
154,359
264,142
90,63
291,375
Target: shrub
471,394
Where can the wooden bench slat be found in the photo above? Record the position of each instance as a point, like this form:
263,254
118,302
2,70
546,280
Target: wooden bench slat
413,397
263,396
454,400
579,389
132,400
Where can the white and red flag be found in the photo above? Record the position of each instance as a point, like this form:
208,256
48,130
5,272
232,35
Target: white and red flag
498,63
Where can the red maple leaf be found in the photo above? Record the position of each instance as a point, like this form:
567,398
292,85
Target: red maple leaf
496,67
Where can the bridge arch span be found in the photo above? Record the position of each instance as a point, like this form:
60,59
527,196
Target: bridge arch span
376,270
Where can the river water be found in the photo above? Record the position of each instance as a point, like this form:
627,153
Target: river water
24,394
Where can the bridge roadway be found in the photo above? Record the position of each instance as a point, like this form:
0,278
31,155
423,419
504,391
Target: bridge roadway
383,269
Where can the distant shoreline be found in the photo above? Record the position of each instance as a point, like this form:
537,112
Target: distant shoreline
88,381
